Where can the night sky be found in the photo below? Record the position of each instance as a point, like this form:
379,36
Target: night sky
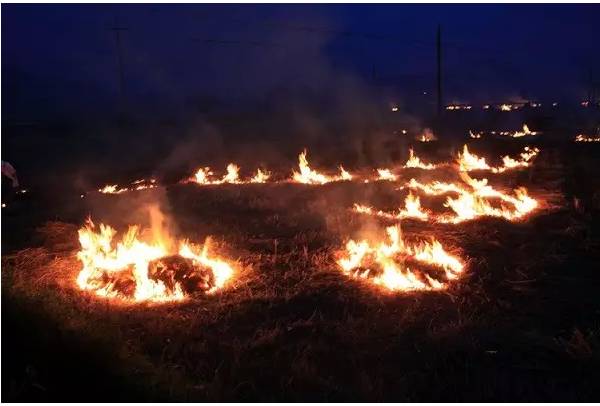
60,59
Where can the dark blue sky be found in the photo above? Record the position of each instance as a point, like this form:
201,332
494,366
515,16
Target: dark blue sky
65,55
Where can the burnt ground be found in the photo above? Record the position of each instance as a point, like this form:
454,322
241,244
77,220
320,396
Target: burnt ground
522,325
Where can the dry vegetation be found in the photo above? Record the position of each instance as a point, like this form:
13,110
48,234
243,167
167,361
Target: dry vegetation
522,325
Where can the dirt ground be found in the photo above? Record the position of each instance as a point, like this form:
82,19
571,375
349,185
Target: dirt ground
523,324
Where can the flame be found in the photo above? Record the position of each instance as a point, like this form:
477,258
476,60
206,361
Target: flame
468,161
383,263
202,176
121,269
476,202
415,162
386,174
260,177
139,184
112,189
584,138
205,176
344,174
519,134
312,177
412,209
232,174
474,135
427,136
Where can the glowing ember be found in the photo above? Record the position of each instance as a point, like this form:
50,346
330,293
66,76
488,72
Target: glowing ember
415,162
584,138
474,135
135,270
456,107
384,263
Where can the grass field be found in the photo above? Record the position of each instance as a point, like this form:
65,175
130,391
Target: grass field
523,324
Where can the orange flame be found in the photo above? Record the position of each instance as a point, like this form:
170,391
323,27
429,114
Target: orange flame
468,161
121,269
412,209
260,177
312,177
383,263
386,174
415,162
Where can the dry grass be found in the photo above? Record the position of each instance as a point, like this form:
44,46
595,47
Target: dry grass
521,325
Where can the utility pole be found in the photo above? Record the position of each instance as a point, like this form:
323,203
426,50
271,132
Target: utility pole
439,70
116,29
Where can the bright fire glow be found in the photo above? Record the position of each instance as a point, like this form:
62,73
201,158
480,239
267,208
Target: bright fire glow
415,162
518,134
474,135
412,209
312,177
584,138
260,177
386,174
468,161
132,269
427,136
139,184
205,176
383,263
476,201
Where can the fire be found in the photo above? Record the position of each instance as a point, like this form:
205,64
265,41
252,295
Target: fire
202,176
452,107
205,176
310,176
386,174
475,201
384,263
510,106
415,162
526,156
474,135
584,138
344,174
233,174
427,136
112,189
519,134
158,270
468,161
139,184
260,177
412,209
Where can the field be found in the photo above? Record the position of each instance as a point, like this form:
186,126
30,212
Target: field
522,324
